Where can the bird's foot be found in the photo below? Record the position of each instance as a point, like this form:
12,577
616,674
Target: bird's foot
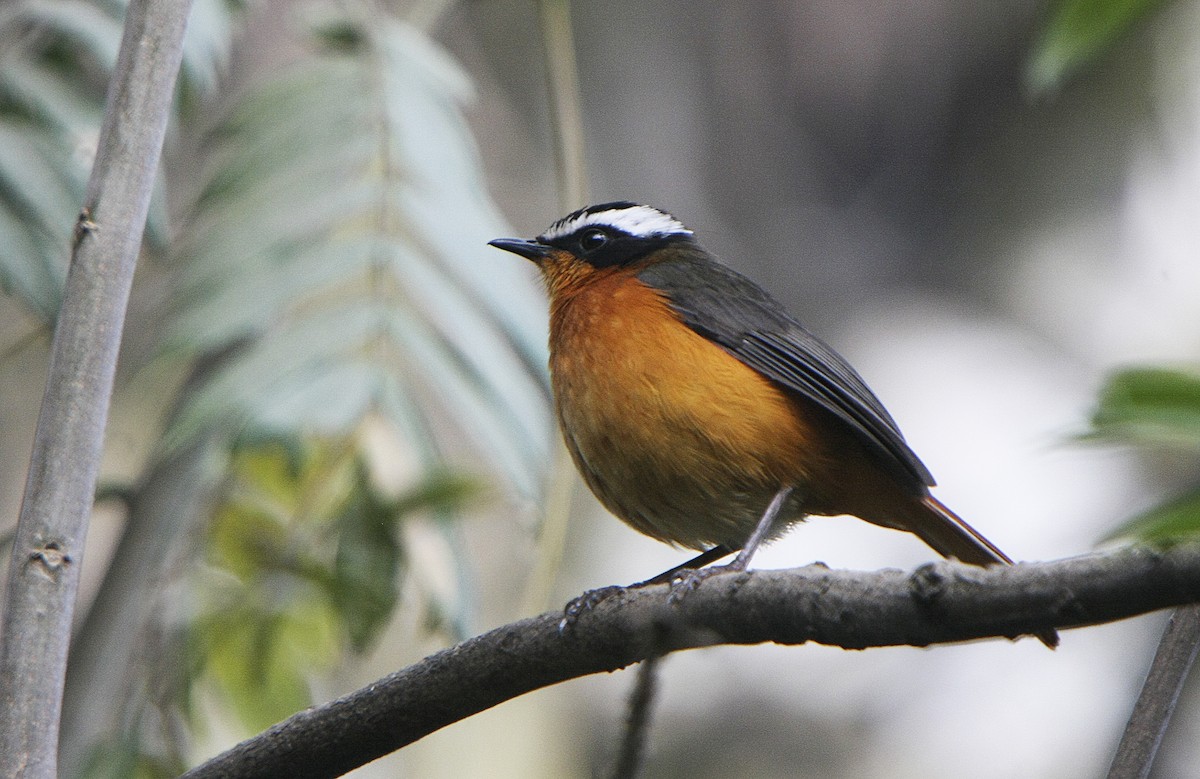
585,603
686,581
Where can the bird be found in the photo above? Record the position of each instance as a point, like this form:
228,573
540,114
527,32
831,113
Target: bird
701,413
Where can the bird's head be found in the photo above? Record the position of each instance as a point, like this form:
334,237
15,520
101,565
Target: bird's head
596,239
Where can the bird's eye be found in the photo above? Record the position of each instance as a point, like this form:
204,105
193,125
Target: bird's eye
592,239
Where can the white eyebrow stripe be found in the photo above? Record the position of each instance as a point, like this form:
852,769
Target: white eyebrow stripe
638,221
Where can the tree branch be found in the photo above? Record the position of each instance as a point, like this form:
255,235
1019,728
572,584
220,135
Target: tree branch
1160,692
48,548
936,603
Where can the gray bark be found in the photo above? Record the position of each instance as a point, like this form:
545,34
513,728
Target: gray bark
936,603
48,548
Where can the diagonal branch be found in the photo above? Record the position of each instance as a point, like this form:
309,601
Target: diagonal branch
936,603
48,548
1160,692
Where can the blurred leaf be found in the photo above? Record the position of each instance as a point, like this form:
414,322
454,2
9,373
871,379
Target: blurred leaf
302,542
281,496
246,541
338,238
54,69
299,481
369,559
265,632
441,491
1076,34
367,565
1165,525
50,98
208,43
338,34
1154,406
88,31
261,659
28,265
41,188
123,759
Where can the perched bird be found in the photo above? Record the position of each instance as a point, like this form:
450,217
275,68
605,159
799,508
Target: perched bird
701,413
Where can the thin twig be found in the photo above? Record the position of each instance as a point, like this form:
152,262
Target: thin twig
48,549
566,116
562,75
637,724
1156,703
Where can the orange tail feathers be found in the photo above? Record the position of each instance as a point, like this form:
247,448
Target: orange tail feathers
950,536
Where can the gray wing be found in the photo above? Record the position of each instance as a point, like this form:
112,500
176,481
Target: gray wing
734,312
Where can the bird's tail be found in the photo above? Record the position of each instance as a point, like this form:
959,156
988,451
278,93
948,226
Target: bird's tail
950,536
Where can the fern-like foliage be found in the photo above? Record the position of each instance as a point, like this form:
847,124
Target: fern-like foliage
55,60
336,249
322,267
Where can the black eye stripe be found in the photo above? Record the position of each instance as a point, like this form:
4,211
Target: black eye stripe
604,246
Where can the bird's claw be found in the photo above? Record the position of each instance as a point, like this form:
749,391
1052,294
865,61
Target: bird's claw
689,580
681,584
576,607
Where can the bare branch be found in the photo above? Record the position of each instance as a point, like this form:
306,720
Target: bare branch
637,724
936,603
48,548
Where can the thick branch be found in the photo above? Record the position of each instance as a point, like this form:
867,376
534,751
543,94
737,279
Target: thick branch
937,603
48,547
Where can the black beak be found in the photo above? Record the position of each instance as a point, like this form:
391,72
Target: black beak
530,250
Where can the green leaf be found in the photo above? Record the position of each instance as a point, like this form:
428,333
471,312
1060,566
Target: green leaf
1165,525
367,565
123,758
1155,406
369,558
28,265
51,98
306,559
305,481
441,491
260,660
1078,33
245,541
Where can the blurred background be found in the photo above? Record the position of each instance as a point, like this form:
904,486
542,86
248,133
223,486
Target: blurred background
331,451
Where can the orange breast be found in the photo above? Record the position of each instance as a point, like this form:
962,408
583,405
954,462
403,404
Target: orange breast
673,434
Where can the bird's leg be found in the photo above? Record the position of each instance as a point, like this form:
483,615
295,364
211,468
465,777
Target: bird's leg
686,577
756,538
699,561
688,580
